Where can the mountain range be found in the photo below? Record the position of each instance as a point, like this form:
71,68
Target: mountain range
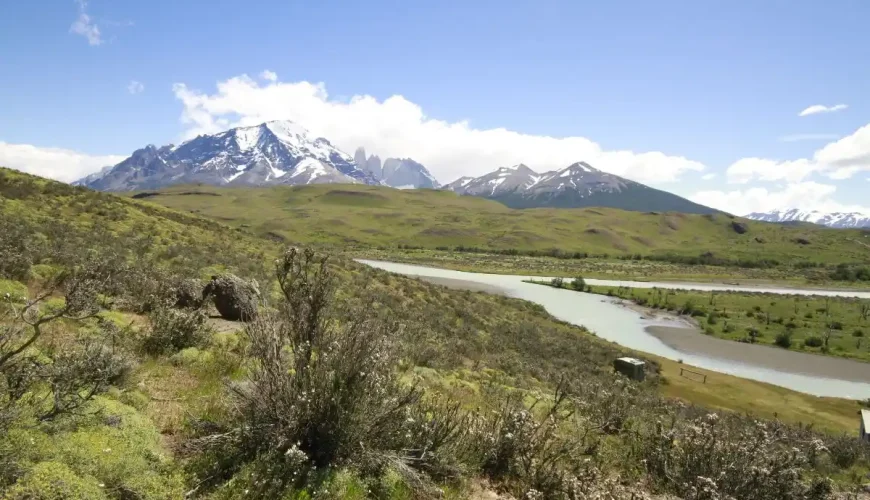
842,220
284,153
403,173
276,152
578,185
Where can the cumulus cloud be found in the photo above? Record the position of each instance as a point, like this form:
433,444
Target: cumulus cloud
839,160
807,137
821,108
135,87
269,76
397,127
84,26
709,176
55,163
804,195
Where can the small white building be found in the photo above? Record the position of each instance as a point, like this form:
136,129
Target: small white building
865,425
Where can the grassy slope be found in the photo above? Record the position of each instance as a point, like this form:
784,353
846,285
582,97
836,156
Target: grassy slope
462,340
368,216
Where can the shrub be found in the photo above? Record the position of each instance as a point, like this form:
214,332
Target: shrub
728,328
808,315
836,325
54,481
557,282
813,341
712,318
783,339
172,330
858,332
726,458
322,392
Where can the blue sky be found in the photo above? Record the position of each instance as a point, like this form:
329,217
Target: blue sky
672,93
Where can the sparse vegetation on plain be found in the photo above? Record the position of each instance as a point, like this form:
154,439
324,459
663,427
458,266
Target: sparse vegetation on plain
349,382
814,324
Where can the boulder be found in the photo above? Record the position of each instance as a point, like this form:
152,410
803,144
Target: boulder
188,293
739,227
234,298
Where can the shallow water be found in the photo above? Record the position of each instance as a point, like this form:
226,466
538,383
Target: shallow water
619,324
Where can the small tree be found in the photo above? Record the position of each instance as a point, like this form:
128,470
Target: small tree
578,284
557,282
54,383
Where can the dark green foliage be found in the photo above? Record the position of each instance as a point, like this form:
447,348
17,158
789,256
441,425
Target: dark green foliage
858,332
578,284
557,282
812,341
783,339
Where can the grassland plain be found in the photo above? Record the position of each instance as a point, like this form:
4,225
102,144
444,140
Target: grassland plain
470,347
821,325
368,217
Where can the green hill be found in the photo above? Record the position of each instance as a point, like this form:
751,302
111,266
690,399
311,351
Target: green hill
368,216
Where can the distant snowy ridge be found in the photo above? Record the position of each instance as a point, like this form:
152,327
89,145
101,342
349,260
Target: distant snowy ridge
276,152
577,185
840,220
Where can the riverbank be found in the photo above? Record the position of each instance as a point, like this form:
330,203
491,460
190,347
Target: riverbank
692,341
719,390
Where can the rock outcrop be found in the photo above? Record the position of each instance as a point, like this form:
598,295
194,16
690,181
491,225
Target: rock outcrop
234,298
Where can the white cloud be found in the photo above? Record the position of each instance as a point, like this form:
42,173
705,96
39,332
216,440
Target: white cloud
709,176
135,87
803,195
821,108
84,26
55,163
397,127
808,137
269,76
839,160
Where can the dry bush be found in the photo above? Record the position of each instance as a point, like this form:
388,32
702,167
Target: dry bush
323,393
714,457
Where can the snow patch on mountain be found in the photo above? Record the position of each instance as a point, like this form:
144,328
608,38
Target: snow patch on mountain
841,220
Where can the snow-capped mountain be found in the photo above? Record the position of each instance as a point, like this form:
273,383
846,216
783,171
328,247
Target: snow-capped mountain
833,219
396,172
578,185
504,181
277,152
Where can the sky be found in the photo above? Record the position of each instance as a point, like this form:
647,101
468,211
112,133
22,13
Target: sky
741,105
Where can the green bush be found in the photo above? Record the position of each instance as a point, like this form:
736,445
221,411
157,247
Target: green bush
557,282
55,481
836,325
172,330
578,284
813,341
783,339
858,332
